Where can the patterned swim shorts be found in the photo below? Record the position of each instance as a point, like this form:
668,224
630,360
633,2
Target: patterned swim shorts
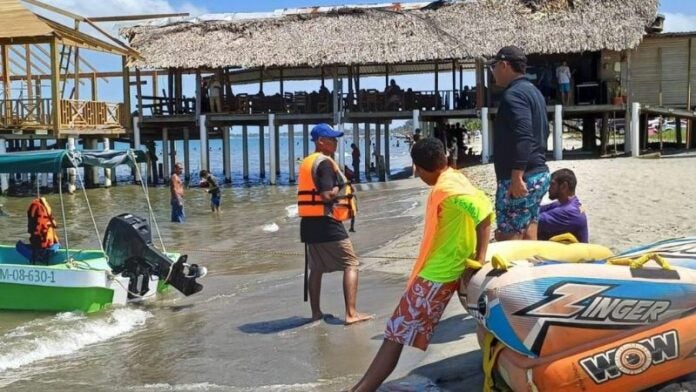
418,312
514,215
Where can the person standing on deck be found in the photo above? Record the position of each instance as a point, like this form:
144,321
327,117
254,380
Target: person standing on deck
324,199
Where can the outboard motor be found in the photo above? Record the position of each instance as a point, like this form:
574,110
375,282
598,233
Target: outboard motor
128,244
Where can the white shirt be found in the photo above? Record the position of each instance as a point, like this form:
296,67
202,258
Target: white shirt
214,89
563,74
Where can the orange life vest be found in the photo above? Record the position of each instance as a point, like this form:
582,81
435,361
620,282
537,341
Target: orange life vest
309,200
41,225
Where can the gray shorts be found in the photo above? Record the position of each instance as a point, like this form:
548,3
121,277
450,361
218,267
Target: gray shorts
332,256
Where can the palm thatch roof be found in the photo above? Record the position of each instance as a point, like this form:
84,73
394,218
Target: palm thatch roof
394,33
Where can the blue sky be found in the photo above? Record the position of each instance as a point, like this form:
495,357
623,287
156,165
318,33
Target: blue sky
680,16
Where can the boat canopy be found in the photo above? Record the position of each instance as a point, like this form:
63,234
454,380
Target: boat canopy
53,161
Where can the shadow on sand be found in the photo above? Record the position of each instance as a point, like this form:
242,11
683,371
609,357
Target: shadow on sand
284,324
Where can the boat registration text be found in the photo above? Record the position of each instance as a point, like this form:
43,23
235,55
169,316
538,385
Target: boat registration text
26,275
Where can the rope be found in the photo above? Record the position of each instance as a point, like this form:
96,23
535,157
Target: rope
151,212
277,253
91,214
65,224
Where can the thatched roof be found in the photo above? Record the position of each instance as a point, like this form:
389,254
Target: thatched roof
394,33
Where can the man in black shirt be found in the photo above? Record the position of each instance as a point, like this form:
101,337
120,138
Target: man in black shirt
328,247
519,147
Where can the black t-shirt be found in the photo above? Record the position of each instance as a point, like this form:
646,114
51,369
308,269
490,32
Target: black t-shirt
323,228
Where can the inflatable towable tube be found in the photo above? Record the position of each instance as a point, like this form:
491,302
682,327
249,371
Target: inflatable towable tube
557,317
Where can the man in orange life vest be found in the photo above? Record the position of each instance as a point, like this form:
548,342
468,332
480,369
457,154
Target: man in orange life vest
41,226
324,199
455,237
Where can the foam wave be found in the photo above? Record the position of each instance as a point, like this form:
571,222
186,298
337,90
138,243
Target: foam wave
291,210
206,386
64,334
270,228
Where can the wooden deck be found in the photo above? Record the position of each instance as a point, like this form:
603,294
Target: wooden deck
27,116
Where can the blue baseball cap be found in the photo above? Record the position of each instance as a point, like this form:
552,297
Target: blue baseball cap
324,130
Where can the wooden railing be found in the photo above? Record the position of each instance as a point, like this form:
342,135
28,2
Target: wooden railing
36,113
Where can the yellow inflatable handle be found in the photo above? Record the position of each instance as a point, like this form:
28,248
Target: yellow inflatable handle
499,262
639,262
565,238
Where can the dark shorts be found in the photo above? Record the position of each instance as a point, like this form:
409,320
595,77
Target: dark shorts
215,201
331,256
564,87
177,212
514,215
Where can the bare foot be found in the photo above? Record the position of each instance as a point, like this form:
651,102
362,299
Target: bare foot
359,317
317,316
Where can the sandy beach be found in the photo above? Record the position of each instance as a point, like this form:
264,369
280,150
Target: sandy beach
629,202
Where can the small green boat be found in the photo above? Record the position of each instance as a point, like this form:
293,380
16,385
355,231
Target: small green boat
129,268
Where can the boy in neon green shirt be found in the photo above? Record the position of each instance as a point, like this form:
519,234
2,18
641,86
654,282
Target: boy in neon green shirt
457,228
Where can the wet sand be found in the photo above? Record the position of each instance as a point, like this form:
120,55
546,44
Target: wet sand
249,331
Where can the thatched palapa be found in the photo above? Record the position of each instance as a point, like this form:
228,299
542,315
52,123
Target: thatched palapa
394,33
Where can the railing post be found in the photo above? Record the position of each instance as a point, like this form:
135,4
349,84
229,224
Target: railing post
635,129
166,154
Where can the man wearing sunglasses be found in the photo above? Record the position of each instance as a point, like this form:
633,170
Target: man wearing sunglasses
519,135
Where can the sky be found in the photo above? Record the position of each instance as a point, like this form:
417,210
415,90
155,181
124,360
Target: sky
680,15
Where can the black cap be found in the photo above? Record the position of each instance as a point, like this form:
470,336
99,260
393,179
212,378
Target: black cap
510,53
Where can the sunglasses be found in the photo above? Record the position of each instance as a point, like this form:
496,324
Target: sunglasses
492,65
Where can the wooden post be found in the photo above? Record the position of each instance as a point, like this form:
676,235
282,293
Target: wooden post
291,151
139,91
366,152
305,140
604,134
178,92
480,85
55,87
154,83
170,91
107,171
203,131
187,156
273,131
262,152
166,154
387,166
437,82
76,80
93,87
678,132
245,152
27,58
454,84
226,154
282,89
126,88
7,92
199,95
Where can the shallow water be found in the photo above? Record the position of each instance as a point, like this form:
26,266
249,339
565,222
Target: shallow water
246,331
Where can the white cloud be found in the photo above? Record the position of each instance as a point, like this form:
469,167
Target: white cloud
678,22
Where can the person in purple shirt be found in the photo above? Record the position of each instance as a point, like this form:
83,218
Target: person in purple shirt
565,214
